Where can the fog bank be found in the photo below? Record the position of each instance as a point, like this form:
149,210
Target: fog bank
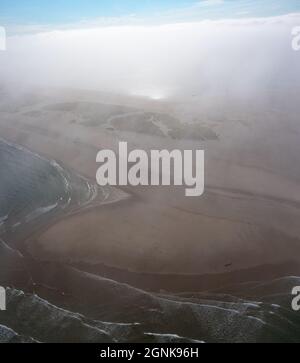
239,58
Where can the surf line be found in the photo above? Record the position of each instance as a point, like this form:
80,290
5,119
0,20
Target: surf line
155,168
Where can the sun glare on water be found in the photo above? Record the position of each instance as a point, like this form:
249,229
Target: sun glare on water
155,95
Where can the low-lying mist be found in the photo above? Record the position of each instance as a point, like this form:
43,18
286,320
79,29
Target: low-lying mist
236,58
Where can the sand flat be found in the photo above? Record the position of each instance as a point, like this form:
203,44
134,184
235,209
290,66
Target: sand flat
247,217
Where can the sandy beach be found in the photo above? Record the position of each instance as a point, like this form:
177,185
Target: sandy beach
246,218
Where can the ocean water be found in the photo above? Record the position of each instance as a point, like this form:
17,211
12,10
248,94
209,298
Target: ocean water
32,186
107,311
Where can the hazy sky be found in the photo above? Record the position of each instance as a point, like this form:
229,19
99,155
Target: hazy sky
244,49
17,14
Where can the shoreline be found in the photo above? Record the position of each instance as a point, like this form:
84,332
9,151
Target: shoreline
189,283
155,282
70,274
158,231
135,195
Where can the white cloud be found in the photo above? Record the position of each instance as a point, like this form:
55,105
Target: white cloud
205,3
240,57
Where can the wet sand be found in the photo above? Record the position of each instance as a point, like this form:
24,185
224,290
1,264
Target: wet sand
246,218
